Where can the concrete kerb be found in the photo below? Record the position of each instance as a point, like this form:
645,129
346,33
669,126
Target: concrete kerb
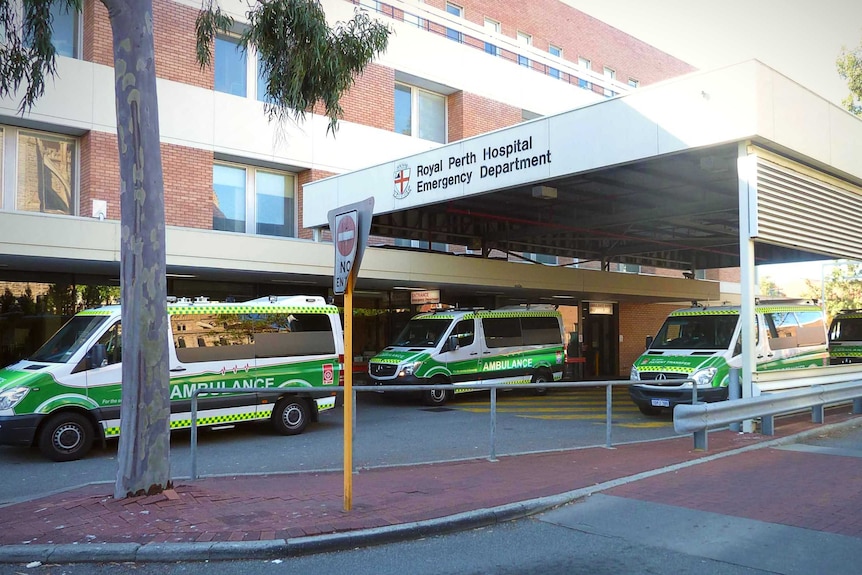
232,550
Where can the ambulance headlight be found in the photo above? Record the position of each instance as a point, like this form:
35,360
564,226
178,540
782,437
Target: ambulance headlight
635,374
703,377
11,397
409,369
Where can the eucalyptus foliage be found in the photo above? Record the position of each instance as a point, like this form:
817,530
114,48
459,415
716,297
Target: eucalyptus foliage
849,66
27,55
304,60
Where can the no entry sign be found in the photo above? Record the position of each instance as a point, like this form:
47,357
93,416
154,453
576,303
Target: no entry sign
350,227
345,235
345,241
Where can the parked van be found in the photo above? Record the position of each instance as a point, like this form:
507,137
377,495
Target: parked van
704,343
67,393
845,337
509,345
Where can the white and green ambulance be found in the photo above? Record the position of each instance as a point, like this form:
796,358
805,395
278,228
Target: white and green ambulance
845,337
508,345
704,343
67,394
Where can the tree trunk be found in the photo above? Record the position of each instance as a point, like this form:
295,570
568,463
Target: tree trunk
144,451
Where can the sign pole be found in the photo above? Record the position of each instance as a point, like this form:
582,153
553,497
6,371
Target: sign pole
350,226
348,394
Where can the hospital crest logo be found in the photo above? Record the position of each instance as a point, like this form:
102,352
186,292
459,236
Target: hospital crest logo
402,181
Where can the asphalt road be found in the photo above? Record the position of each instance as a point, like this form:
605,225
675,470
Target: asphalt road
387,431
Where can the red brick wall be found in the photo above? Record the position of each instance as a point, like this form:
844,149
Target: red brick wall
578,34
371,100
174,36
187,174
100,173
637,321
303,178
471,115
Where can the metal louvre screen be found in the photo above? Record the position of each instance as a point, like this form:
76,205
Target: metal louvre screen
800,211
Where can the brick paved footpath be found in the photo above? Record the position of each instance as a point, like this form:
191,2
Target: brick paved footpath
769,484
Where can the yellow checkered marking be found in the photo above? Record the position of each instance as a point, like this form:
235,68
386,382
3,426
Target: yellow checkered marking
705,312
182,423
202,421
761,309
489,314
95,312
843,352
670,368
387,360
246,309
849,316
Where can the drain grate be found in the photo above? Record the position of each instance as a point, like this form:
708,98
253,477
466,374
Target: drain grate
437,409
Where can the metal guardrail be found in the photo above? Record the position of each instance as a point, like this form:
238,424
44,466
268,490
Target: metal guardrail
474,386
701,417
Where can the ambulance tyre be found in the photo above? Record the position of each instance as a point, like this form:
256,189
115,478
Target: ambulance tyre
290,415
541,377
66,437
436,397
647,410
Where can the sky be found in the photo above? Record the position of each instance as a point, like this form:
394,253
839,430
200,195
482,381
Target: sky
801,39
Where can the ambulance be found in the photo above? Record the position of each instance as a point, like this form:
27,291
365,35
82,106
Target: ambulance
67,394
704,343
519,344
845,337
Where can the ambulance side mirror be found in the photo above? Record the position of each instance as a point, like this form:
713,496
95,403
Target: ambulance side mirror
98,356
452,344
648,341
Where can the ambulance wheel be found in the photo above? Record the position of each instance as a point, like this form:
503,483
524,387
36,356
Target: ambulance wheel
436,397
649,410
66,437
290,415
541,377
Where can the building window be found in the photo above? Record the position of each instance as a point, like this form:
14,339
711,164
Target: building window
492,26
47,175
630,268
253,200
633,83
262,79
524,40
558,52
231,68
540,258
586,65
457,11
420,113
65,26
422,245
610,74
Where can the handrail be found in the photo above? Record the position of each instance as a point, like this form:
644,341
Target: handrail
700,418
493,387
421,15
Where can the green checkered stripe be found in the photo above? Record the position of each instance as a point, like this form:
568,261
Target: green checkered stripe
248,309
766,309
489,314
686,312
95,312
844,352
849,316
392,360
786,308
670,368
215,420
